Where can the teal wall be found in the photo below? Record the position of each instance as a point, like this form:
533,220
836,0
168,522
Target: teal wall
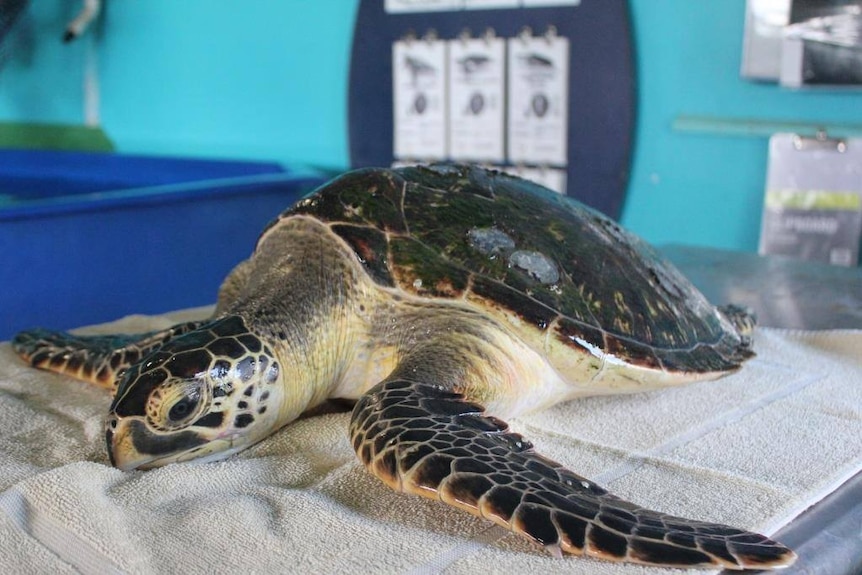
252,79
705,189
269,80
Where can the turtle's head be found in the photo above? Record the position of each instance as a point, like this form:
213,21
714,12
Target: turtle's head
204,395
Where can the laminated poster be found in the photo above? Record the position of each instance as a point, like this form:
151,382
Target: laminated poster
419,94
477,78
538,100
813,204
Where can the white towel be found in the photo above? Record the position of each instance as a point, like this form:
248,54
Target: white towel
752,450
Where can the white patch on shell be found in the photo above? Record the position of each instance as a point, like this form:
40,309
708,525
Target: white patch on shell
599,352
538,265
490,241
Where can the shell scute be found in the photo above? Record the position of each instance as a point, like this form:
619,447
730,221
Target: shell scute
419,269
524,307
578,334
365,197
371,246
633,352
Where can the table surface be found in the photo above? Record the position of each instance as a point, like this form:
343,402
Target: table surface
793,294
784,292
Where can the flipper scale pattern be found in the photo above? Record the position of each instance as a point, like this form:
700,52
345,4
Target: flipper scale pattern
429,441
98,359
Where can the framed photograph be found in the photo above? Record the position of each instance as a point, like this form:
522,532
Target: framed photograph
804,43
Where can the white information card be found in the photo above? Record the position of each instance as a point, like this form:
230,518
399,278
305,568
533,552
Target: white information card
402,6
538,99
399,6
477,78
419,93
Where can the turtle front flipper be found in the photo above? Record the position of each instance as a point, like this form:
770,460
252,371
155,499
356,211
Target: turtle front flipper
425,440
96,359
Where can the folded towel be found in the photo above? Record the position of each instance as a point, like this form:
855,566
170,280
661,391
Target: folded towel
752,450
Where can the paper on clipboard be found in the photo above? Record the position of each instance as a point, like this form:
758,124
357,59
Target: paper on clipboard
813,204
419,88
477,79
538,99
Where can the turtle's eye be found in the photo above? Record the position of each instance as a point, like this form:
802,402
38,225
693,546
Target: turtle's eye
175,404
183,408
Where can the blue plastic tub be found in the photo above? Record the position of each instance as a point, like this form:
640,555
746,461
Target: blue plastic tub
86,238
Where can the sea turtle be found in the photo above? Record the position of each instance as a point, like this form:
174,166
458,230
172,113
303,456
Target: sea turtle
441,299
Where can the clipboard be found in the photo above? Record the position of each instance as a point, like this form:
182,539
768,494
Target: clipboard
813,201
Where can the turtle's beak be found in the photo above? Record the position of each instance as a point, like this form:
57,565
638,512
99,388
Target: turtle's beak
120,444
109,439
132,445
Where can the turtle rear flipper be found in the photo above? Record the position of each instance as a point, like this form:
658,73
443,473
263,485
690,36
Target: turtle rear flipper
742,318
425,440
97,359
